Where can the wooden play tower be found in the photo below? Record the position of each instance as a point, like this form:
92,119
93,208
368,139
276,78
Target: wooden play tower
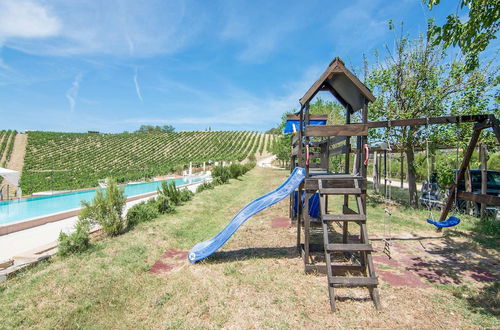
344,255
340,255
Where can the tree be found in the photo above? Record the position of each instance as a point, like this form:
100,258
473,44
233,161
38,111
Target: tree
473,34
281,146
151,128
416,81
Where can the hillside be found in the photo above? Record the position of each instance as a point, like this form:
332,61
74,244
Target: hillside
56,161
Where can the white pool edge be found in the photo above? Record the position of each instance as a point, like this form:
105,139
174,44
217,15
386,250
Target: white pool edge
53,217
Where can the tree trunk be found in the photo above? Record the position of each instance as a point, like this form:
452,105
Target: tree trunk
412,185
402,169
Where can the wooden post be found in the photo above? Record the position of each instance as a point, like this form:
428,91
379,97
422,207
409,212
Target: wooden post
306,119
460,175
483,157
402,168
375,172
468,188
385,173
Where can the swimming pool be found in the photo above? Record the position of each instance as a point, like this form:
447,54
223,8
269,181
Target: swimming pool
16,210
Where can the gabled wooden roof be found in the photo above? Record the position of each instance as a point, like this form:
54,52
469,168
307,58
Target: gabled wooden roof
343,85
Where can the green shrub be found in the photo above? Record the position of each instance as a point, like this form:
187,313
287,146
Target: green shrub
106,209
252,158
186,195
169,190
235,170
204,186
76,242
142,212
217,182
178,169
164,204
247,167
222,173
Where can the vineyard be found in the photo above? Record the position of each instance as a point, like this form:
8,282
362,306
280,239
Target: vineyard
57,161
6,145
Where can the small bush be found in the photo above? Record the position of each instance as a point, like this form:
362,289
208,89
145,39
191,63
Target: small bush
142,212
106,209
186,195
179,169
247,167
164,205
217,182
222,173
236,170
169,190
204,186
252,158
76,242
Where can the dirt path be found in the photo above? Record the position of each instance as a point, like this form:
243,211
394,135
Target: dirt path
16,161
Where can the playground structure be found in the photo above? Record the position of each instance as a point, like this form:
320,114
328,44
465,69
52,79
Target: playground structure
312,145
311,184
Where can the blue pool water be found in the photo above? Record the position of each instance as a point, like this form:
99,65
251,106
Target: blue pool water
16,210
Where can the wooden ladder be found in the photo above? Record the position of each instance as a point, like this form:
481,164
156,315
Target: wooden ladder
364,247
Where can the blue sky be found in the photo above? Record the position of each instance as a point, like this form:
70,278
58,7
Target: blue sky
114,65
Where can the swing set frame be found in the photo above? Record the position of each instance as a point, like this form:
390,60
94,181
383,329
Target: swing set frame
481,122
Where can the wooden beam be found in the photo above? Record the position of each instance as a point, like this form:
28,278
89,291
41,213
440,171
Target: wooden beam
431,120
337,130
338,151
333,140
311,117
479,198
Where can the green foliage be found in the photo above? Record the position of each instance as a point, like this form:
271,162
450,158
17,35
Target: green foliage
106,209
235,170
186,195
80,160
418,81
472,33
152,129
7,145
142,212
169,190
204,186
336,112
76,242
164,204
222,173
217,182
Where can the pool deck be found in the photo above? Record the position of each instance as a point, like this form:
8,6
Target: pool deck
37,242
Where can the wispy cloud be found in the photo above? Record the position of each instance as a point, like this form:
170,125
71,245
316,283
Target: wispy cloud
26,19
240,108
137,87
72,92
118,28
260,32
367,24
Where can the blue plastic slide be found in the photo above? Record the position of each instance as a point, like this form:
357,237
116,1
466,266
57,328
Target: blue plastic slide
204,249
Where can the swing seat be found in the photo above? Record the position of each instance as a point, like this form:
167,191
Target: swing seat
450,222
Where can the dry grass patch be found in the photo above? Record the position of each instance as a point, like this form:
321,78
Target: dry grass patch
255,281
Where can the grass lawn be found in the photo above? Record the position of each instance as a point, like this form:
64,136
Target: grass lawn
257,280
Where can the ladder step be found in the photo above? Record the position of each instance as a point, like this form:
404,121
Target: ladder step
348,247
338,281
340,191
343,217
